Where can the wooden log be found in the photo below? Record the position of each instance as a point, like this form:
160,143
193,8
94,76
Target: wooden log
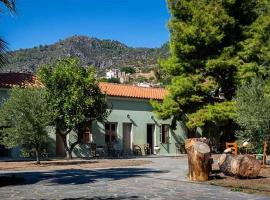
243,166
199,158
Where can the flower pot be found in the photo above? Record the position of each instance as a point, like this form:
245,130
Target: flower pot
156,150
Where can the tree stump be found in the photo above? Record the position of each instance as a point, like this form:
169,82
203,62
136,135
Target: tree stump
199,158
244,166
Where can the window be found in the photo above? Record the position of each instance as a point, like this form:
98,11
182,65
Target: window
164,135
110,132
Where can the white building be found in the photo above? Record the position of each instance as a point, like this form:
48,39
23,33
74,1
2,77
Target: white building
112,73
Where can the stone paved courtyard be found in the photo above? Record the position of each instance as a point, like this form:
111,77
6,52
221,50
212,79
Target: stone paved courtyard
163,179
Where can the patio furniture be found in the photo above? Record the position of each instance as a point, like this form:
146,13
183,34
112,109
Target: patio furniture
147,149
137,150
156,150
180,148
100,151
233,146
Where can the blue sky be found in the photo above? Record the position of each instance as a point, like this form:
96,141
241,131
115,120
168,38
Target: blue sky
137,23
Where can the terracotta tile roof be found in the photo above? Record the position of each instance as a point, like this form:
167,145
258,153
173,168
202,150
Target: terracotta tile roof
9,80
121,90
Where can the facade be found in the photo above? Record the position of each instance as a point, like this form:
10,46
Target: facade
131,124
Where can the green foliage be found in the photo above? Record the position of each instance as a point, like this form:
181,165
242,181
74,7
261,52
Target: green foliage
128,70
253,112
215,46
141,79
217,114
110,80
146,69
73,94
101,53
113,80
10,5
26,116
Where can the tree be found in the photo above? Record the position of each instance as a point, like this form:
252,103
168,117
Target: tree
111,80
74,95
215,46
253,112
128,70
10,5
26,116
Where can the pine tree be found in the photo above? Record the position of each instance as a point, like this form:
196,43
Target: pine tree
215,45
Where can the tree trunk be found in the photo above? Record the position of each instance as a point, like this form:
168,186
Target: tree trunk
68,150
72,146
199,158
239,165
37,156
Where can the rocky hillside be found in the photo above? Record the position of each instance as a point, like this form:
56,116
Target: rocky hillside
91,51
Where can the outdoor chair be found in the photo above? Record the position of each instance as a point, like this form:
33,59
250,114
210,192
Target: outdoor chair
147,149
177,148
137,150
180,148
233,146
100,151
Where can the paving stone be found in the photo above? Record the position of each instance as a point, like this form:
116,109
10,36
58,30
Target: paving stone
165,178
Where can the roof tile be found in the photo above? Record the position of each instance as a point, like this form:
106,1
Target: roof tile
9,80
122,90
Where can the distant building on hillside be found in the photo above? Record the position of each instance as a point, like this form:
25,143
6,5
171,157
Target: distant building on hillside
112,73
123,77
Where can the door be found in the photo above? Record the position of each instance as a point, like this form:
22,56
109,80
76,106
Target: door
150,136
127,137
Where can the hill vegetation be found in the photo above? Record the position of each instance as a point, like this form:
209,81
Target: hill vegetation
101,54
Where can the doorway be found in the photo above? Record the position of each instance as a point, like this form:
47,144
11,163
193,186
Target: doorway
150,136
127,137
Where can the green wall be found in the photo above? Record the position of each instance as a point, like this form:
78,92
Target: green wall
140,114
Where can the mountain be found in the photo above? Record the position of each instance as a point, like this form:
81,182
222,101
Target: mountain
91,51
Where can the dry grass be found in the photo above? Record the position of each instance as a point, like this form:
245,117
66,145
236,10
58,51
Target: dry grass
70,164
260,184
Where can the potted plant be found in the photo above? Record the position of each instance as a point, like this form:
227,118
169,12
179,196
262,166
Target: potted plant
156,150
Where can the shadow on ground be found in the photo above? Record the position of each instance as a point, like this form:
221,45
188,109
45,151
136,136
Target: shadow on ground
104,198
81,176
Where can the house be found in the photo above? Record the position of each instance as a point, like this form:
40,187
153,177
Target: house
131,121
112,73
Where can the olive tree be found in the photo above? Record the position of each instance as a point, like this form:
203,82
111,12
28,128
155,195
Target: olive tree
75,97
253,112
26,116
